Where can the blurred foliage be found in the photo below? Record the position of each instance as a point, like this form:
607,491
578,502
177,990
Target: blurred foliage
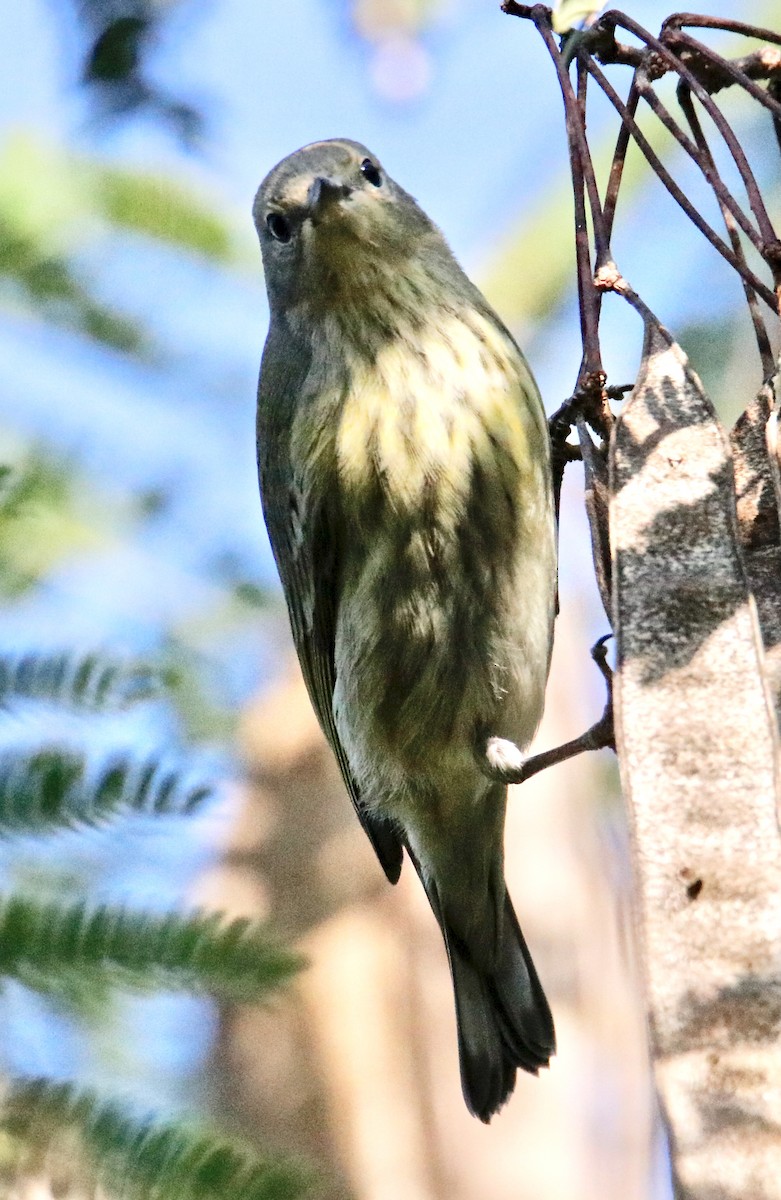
536,250
39,205
44,943
42,522
58,766
376,19
58,946
62,788
539,248
57,292
161,209
57,199
120,37
136,1159
64,209
722,350
87,680
51,203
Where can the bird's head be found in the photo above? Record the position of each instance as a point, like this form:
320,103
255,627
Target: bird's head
334,228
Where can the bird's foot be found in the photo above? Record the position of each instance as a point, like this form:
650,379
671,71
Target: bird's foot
504,762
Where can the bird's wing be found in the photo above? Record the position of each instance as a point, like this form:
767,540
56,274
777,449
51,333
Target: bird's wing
305,546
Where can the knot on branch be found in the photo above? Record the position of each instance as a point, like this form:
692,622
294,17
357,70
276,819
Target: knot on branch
654,65
608,278
593,403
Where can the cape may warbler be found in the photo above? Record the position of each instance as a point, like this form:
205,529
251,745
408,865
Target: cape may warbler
404,469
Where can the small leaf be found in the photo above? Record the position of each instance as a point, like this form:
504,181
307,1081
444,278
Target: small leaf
44,518
116,53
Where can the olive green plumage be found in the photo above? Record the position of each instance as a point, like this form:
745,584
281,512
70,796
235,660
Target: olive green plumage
404,470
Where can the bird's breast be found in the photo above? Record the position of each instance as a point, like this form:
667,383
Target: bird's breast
434,403
443,477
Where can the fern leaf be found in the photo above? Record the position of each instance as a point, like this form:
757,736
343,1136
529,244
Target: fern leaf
142,1158
86,680
58,787
40,943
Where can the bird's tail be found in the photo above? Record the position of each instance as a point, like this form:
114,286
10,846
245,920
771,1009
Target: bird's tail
504,1021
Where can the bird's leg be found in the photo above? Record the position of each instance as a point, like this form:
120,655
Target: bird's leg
504,762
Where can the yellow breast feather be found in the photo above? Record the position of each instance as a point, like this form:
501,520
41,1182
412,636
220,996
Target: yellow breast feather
432,404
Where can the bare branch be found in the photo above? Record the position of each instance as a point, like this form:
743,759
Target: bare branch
599,737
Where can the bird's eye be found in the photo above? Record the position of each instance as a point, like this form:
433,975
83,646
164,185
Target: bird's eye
279,227
371,171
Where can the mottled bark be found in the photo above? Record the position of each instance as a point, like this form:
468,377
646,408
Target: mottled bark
758,526
698,747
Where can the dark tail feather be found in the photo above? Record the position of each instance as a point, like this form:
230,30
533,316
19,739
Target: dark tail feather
504,1021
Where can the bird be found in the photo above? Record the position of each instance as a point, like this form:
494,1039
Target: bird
405,478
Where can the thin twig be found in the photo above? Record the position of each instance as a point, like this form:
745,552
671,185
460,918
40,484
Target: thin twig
722,24
717,73
676,192
601,735
529,12
582,180
774,87
736,150
619,157
704,160
760,330
562,452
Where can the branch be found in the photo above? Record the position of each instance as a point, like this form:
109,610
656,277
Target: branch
676,192
600,736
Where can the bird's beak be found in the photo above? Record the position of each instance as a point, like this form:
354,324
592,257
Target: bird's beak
324,193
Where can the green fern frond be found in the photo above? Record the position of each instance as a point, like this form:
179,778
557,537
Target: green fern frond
144,1159
236,960
52,787
86,680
